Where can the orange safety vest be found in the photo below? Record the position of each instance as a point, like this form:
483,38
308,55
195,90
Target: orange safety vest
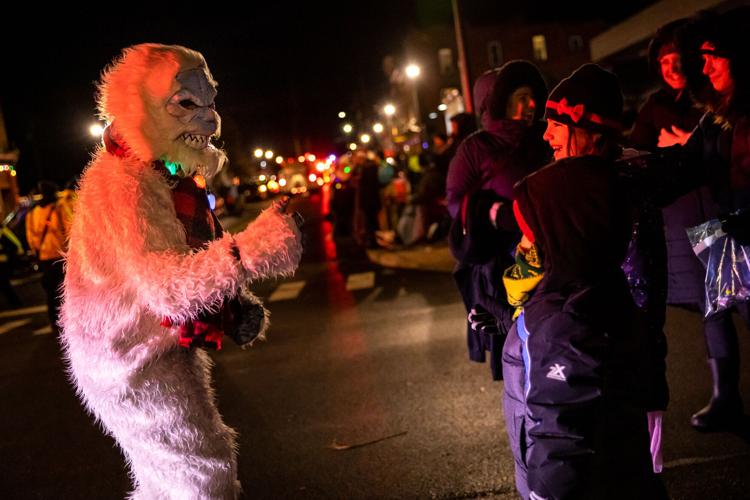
51,244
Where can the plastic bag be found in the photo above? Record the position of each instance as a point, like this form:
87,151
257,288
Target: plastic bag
727,266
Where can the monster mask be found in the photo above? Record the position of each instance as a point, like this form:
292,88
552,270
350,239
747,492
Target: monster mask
160,101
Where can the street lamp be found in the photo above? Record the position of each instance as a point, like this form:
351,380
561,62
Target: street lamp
377,128
269,154
342,114
389,109
412,73
347,128
258,153
96,130
364,138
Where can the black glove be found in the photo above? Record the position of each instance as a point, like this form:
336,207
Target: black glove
483,321
737,225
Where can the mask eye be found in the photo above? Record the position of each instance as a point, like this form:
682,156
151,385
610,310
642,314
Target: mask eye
188,104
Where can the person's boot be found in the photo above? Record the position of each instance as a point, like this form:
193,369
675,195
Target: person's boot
724,411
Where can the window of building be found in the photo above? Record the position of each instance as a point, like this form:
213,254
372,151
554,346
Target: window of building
539,44
445,61
575,43
495,54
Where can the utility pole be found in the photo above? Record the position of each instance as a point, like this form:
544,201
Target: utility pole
463,66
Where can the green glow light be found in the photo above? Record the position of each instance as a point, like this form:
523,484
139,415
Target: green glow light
347,170
172,167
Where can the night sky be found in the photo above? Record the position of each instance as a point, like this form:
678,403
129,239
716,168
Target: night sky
283,70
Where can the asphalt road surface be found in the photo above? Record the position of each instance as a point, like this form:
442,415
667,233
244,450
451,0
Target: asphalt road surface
363,390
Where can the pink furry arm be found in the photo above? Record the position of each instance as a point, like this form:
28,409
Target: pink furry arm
270,246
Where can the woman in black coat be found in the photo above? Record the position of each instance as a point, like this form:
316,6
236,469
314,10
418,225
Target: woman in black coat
480,178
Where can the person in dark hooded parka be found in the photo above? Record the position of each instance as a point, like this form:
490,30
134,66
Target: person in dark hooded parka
574,398
480,178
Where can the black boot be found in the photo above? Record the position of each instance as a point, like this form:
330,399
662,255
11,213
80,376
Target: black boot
724,411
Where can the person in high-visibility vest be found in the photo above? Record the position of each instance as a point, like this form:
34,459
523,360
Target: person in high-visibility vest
47,233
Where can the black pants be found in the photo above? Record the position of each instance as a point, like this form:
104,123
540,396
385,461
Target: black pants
721,335
53,275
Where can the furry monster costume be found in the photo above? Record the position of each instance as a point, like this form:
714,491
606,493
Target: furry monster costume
129,267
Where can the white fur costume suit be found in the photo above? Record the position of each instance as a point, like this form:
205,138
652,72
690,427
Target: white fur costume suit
129,266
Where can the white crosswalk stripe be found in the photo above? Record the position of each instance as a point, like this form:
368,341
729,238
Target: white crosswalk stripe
45,330
23,311
12,325
360,281
287,291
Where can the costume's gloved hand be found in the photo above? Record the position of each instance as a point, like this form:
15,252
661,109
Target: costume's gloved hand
737,225
272,244
483,321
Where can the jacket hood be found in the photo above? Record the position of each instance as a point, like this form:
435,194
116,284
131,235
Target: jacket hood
511,76
579,217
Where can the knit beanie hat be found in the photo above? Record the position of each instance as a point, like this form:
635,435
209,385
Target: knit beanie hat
590,98
664,43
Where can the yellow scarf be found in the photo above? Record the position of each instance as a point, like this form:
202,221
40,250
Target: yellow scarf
522,277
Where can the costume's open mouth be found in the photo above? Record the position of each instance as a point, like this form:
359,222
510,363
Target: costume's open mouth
195,141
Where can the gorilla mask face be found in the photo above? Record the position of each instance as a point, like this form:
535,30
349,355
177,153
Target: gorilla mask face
194,123
160,100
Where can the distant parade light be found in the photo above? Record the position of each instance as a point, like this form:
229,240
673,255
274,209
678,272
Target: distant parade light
312,177
258,153
442,107
320,166
352,146
282,182
262,178
96,130
433,115
300,158
342,114
389,109
347,128
365,138
377,128
263,164
269,154
310,157
413,71
279,159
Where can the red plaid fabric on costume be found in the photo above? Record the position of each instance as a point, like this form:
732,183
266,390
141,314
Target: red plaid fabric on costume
201,227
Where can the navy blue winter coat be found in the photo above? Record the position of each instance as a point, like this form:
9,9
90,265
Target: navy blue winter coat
573,363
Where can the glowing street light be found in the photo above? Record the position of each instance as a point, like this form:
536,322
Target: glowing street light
443,107
389,109
269,154
352,146
377,128
279,160
412,71
342,114
96,130
347,128
365,138
258,153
